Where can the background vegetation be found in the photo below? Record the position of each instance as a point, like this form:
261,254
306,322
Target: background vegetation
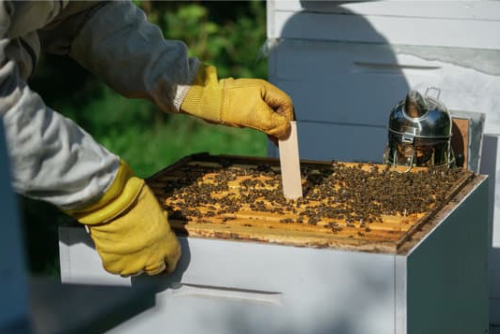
228,36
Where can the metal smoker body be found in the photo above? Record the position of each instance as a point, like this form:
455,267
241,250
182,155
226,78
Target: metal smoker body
420,130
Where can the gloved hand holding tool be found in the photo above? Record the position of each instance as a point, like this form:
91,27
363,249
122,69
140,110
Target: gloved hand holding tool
251,103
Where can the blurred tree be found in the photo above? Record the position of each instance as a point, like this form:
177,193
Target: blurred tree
227,36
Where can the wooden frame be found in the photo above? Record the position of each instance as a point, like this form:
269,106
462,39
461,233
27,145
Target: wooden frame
388,235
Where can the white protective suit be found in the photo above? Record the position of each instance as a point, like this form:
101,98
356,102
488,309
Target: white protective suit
52,158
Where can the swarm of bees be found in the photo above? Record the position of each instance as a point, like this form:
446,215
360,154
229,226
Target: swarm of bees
337,195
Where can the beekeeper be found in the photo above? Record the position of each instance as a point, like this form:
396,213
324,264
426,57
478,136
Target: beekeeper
54,160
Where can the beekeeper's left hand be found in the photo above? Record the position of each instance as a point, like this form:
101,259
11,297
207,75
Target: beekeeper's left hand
130,230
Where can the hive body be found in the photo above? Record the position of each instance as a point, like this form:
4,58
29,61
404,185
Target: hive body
258,269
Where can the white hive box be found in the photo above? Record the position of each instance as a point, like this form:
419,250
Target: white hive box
238,280
346,64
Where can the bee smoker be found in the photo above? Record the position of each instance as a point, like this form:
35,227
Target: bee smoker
419,133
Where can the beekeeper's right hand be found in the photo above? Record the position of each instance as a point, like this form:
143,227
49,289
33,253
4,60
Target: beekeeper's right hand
252,103
130,230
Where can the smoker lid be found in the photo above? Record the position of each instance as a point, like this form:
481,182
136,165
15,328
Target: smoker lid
420,116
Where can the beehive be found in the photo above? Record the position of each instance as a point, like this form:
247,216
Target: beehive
367,250
357,206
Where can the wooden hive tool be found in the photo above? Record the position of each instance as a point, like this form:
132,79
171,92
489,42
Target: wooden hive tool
290,164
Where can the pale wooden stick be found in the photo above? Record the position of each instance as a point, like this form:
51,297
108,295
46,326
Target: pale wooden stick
290,164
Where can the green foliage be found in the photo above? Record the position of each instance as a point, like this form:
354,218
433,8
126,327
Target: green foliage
228,37
230,42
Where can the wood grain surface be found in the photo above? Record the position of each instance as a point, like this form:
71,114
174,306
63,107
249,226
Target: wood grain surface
386,235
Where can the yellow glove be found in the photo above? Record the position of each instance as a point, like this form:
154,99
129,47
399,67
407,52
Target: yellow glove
252,103
130,230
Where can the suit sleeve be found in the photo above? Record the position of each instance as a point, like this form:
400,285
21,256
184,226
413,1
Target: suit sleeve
52,158
119,45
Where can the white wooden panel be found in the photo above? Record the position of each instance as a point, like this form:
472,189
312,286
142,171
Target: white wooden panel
333,59
360,83
226,287
79,262
246,266
476,10
13,285
320,287
338,82
341,103
467,33
322,141
401,288
448,272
